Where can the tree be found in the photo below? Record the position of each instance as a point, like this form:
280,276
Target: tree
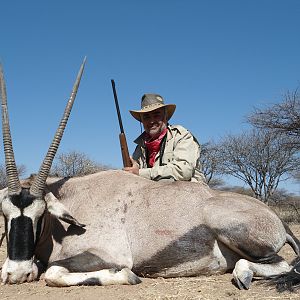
282,118
3,179
210,162
259,158
296,175
75,163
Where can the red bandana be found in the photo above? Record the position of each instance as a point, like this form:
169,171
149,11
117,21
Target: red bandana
153,146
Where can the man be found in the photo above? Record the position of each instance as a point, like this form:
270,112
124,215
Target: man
164,151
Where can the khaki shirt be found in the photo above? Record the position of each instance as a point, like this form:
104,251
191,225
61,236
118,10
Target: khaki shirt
180,159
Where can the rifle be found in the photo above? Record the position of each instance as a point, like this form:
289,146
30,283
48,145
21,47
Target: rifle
124,148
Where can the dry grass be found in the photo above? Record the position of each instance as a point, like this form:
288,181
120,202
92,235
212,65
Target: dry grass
289,213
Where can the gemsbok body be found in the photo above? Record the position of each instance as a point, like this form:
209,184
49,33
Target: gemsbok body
113,227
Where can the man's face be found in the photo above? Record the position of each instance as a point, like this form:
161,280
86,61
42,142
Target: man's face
154,122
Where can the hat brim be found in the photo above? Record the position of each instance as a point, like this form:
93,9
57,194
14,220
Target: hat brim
170,109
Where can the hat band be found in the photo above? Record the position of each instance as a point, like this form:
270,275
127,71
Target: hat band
152,105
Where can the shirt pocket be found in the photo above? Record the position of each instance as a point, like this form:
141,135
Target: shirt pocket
167,157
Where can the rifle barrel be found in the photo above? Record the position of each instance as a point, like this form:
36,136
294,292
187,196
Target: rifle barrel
117,105
123,143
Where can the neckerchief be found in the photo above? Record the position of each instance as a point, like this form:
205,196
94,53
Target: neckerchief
153,146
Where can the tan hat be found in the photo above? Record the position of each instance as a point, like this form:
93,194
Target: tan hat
150,102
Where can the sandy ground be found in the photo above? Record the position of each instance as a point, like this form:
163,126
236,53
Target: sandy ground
211,287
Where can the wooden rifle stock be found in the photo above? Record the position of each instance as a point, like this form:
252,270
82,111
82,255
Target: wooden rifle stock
124,150
123,143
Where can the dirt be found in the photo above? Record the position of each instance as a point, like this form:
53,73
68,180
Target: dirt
217,287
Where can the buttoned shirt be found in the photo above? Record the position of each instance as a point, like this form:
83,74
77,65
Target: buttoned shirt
179,158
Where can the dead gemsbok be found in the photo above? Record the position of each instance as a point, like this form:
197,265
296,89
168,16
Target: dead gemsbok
133,226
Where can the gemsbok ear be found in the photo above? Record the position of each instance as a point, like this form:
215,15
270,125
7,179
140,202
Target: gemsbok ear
58,210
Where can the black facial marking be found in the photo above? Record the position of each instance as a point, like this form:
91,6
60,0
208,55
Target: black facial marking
24,199
21,239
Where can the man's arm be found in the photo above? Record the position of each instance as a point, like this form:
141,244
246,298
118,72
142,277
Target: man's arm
134,169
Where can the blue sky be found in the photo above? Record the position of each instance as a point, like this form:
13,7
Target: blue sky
214,59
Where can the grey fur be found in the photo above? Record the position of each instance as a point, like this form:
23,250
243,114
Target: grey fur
165,229
156,229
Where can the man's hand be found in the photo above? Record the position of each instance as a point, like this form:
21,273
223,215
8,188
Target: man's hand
134,169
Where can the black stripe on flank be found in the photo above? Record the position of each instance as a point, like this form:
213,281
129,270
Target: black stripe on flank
250,248
21,239
195,244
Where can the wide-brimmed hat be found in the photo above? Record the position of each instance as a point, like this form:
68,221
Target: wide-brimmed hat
150,102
